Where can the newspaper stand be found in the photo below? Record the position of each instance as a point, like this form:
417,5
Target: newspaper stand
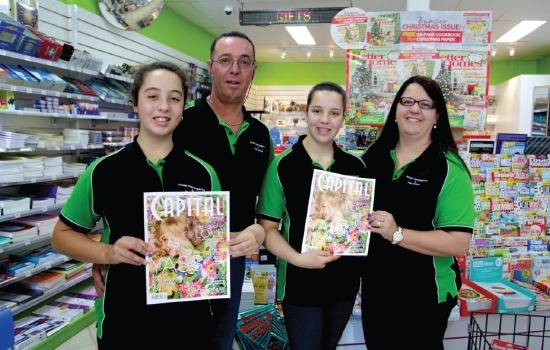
529,330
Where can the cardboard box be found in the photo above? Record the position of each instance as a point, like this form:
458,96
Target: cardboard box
28,44
7,100
28,79
49,49
467,304
10,33
487,274
13,79
45,81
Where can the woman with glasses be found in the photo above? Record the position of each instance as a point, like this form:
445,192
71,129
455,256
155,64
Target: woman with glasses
423,218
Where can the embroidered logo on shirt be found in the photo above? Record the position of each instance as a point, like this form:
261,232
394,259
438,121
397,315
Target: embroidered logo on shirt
258,147
415,182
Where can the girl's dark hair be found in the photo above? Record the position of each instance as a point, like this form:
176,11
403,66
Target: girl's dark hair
326,86
231,34
442,135
142,71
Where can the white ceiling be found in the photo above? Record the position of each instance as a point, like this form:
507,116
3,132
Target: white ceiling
269,40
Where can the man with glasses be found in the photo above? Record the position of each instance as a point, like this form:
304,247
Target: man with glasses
220,130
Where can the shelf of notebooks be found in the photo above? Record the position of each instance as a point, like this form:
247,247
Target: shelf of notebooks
108,116
70,311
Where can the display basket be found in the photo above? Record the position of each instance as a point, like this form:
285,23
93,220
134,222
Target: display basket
531,331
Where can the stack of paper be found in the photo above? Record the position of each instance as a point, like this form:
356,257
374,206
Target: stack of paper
33,166
30,330
44,281
53,166
74,167
76,136
44,222
18,232
41,202
11,170
9,139
14,204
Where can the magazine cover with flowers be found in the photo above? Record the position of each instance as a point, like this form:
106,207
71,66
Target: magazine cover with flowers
190,232
338,211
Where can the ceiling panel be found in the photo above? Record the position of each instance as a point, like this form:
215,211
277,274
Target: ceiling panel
270,40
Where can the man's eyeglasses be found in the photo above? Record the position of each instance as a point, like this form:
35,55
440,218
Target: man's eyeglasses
409,102
243,63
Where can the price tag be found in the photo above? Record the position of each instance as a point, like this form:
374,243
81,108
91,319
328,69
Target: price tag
58,94
29,91
28,274
13,88
48,265
56,148
27,242
17,215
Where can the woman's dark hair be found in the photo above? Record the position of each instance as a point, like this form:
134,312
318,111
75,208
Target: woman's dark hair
326,86
142,71
232,34
442,135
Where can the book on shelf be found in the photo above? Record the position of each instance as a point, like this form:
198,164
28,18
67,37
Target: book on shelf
31,329
69,268
18,293
11,204
37,256
542,299
44,280
337,215
15,267
79,303
43,221
4,241
8,304
190,231
59,310
511,143
17,232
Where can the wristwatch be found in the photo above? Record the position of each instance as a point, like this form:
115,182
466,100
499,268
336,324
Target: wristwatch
397,236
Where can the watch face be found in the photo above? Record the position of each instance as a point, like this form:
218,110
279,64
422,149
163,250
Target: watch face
397,236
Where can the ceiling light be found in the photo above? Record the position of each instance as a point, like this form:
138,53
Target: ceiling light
519,31
331,54
512,51
493,52
308,54
301,35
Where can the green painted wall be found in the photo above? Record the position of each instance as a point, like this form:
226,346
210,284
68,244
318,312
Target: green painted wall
173,31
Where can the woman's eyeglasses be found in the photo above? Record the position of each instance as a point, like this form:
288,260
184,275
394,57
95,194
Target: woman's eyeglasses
243,62
409,102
